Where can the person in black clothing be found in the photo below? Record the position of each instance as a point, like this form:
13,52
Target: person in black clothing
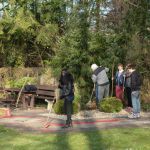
135,91
128,87
67,93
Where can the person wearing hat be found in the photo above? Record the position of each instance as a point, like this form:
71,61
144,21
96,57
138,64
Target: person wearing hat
101,81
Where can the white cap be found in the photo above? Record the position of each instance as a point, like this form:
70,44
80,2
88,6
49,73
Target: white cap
94,67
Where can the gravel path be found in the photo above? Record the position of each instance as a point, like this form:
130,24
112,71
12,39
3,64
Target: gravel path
34,121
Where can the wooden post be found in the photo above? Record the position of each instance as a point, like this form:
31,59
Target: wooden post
112,75
19,95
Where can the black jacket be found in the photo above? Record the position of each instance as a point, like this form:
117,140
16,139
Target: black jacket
135,81
29,88
67,87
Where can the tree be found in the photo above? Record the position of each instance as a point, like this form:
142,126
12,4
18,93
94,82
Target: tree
23,45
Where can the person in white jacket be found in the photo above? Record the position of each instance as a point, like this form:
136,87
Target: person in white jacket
101,81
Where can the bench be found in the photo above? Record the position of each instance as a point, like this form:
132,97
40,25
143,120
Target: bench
8,99
47,93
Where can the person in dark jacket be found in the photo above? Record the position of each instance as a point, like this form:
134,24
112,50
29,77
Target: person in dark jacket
67,93
128,88
135,91
120,82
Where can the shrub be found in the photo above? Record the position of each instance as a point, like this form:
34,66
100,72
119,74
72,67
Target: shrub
110,105
145,107
59,107
76,107
18,83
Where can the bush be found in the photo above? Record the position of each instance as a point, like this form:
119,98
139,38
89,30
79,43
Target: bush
18,83
59,107
110,105
76,107
146,107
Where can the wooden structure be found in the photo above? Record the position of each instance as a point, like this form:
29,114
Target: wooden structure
47,93
8,96
43,92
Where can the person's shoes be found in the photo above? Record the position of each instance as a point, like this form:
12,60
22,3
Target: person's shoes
138,115
71,125
132,116
67,126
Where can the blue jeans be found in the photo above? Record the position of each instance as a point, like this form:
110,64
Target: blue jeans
96,92
136,101
101,92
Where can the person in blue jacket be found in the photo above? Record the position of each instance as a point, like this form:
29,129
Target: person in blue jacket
120,82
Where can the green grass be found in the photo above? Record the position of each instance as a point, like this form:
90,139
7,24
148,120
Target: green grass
112,139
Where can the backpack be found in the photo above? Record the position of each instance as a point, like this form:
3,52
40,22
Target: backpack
30,88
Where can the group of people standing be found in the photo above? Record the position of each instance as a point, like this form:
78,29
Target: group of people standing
128,82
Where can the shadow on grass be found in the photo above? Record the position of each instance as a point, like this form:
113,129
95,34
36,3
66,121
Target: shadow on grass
15,140
79,139
63,140
91,139
94,137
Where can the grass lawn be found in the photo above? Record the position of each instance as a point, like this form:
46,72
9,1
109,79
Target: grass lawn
112,139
